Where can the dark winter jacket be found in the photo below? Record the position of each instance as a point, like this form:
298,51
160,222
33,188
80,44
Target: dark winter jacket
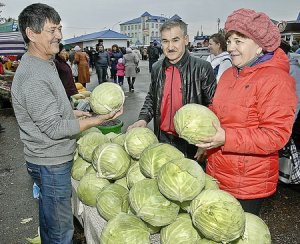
198,86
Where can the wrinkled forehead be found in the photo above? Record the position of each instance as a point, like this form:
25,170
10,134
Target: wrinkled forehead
50,24
171,33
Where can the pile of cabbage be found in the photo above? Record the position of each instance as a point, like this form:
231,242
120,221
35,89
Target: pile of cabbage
142,187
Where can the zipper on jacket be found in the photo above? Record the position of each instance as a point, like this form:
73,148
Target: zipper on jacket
171,98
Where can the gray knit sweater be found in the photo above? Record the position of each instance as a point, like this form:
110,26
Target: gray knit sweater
43,112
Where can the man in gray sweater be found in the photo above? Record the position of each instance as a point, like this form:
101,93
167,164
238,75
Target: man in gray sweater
47,122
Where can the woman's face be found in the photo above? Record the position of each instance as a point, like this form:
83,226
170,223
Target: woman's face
214,48
63,54
242,50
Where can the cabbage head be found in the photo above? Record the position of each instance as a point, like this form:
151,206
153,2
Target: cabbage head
150,205
181,231
88,143
90,170
134,175
107,97
256,231
122,182
193,122
83,133
181,179
218,215
126,229
111,135
155,156
79,168
112,200
111,161
119,139
211,183
137,139
89,187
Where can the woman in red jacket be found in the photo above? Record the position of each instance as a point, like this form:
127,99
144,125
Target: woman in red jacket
255,102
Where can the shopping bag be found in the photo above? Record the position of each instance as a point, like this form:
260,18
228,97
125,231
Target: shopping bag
289,164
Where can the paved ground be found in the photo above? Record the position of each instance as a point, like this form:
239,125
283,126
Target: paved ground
281,212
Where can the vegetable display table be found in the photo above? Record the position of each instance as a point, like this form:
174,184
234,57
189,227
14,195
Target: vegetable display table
90,219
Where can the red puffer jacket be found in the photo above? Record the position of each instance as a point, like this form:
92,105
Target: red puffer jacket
256,108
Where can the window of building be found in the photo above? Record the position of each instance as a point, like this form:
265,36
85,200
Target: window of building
125,27
152,33
135,27
140,26
132,27
156,26
135,34
147,26
156,33
152,25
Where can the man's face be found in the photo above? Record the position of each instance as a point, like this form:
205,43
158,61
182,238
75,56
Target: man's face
47,42
174,43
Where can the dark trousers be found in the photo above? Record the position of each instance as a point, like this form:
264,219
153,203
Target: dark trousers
151,62
114,75
252,205
187,149
131,81
101,74
120,80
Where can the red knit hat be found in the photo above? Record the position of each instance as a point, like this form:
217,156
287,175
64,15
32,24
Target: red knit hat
256,26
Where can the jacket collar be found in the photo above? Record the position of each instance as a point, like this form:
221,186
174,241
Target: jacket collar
180,63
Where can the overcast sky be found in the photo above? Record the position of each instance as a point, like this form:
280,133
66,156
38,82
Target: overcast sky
87,16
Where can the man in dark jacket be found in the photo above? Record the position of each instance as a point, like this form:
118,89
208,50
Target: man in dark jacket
153,54
176,80
101,63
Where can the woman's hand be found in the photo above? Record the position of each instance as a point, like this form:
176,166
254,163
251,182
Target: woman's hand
213,142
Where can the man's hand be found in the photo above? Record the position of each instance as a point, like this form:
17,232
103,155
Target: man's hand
112,115
213,142
139,123
81,114
201,155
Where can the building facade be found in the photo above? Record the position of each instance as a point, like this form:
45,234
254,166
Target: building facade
144,29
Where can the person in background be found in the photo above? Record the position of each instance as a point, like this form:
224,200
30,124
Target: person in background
47,123
82,60
120,71
114,57
219,58
71,56
205,42
168,91
255,102
64,71
153,55
295,46
144,54
130,61
100,42
294,69
101,63
137,52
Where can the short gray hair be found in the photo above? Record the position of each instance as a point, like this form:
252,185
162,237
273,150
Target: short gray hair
174,23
